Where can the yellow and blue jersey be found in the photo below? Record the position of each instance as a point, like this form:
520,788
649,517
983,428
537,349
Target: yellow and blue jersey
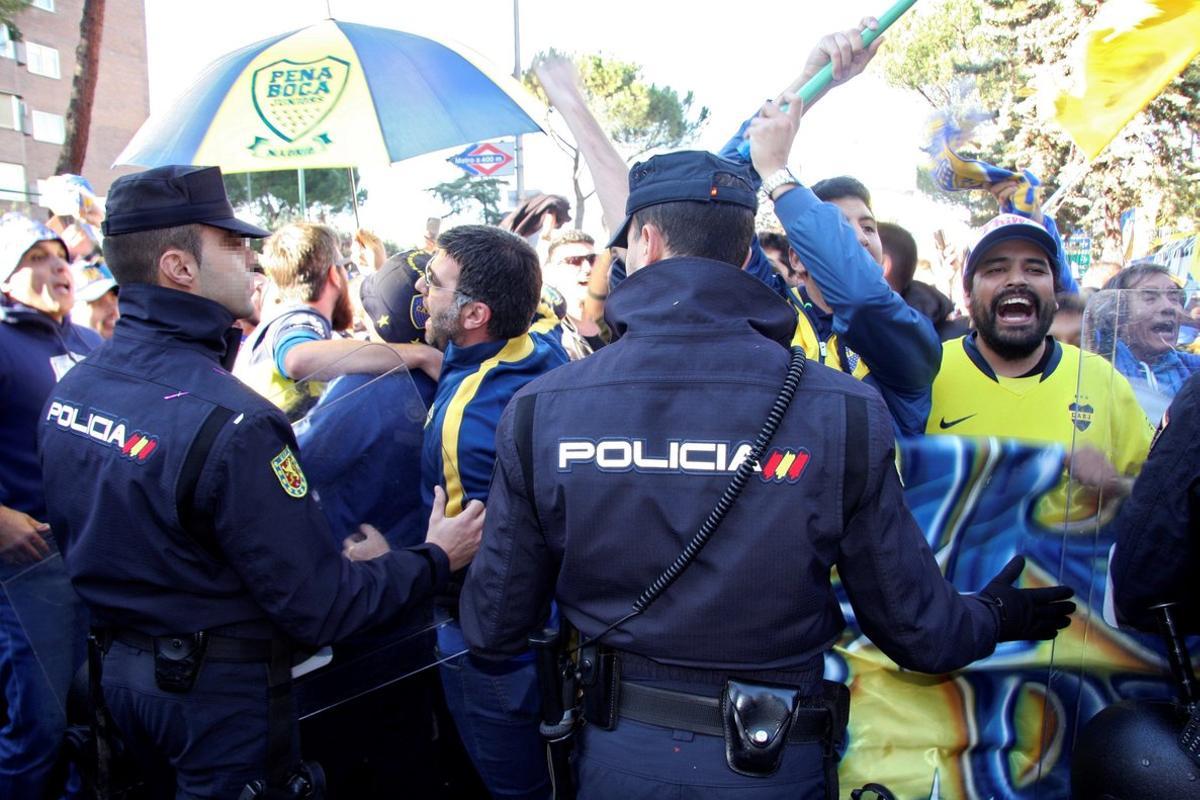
1071,399
820,343
460,431
260,361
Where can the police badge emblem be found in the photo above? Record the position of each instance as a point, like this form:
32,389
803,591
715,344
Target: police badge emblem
287,470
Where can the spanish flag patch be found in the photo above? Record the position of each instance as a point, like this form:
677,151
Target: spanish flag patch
291,477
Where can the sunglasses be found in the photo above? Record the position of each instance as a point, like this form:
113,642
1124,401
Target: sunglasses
579,261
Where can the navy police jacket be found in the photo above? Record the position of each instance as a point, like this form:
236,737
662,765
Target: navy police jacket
629,450
233,541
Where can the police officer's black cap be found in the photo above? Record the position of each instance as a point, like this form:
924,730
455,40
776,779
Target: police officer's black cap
685,175
165,197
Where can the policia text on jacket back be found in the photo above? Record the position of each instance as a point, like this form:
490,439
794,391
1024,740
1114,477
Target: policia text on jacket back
199,549
606,467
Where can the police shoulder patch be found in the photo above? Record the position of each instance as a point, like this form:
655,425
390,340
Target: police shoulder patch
287,470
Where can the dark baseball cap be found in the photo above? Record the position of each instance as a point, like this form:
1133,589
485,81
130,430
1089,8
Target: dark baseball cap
1006,228
685,175
165,197
389,296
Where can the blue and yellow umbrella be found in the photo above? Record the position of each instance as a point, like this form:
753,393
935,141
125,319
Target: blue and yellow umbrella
335,94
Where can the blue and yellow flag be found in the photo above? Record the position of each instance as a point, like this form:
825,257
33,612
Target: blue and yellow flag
953,173
1132,49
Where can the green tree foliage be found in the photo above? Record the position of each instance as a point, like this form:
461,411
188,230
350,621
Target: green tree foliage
1011,58
637,115
274,197
462,193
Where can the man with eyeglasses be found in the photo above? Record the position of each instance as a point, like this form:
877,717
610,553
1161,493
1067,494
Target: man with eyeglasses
566,285
295,341
481,291
568,266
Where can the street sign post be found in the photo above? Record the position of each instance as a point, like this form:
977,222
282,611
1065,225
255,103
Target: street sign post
485,159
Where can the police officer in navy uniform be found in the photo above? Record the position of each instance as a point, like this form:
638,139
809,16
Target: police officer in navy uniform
606,468
198,545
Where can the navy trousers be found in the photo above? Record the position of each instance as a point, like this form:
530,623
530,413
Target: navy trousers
214,737
635,761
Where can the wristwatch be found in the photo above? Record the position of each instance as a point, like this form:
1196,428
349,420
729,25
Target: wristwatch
778,178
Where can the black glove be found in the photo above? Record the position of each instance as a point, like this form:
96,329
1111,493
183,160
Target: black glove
1027,613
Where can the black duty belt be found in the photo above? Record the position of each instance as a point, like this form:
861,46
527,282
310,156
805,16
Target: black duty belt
218,648
702,714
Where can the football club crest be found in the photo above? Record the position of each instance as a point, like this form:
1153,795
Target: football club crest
287,470
852,359
1081,415
293,98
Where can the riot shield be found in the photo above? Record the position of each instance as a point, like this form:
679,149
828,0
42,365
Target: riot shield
360,453
45,625
1131,367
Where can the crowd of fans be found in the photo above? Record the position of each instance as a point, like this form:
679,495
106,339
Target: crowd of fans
971,339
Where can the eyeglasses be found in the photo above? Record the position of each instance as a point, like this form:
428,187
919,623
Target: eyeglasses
579,261
431,280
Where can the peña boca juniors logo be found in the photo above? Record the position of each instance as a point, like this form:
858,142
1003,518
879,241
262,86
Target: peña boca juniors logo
292,99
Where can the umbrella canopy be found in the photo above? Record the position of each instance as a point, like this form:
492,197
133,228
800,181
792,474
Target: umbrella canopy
335,94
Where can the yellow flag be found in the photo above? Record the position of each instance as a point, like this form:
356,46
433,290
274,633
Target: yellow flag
1132,49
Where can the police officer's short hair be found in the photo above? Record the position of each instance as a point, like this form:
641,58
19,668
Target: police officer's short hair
133,257
297,258
500,270
832,189
720,231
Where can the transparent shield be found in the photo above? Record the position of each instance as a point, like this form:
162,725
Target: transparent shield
298,398
45,624
1132,364
360,448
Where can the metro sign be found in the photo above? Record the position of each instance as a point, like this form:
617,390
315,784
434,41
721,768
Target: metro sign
485,159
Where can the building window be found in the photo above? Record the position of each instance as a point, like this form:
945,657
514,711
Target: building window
49,127
42,60
12,183
44,5
10,112
8,48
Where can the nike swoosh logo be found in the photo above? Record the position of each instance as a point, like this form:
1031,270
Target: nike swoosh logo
945,425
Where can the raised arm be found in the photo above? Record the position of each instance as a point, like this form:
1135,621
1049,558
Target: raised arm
560,80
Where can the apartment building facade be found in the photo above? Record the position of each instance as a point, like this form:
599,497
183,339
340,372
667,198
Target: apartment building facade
36,76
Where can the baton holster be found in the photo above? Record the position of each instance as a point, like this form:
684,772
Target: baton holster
600,683
756,719
177,660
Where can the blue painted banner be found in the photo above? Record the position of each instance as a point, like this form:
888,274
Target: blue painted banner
1003,728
